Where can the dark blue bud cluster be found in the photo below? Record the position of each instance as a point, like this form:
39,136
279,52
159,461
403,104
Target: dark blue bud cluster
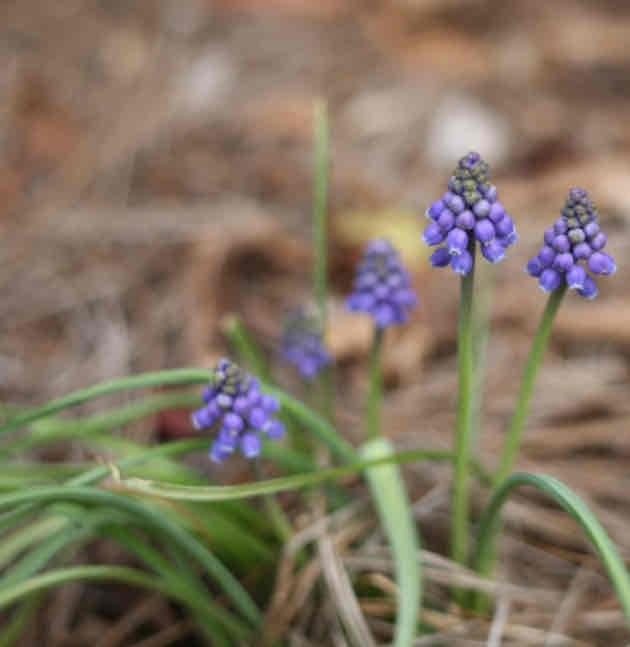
468,211
301,343
576,236
233,398
382,286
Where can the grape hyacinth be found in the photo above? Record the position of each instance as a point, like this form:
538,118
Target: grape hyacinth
233,397
301,344
576,236
468,211
382,286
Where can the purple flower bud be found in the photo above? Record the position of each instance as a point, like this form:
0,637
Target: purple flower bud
481,208
493,251
433,235
582,251
446,220
201,419
369,279
208,393
233,421
576,236
591,229
491,193
534,267
257,418
589,290
224,400
465,220
563,262
227,438
250,445
601,263
241,405
561,243
380,291
435,210
462,263
456,241
508,240
273,429
599,241
456,204
484,230
440,257
217,453
560,226
550,280
546,256
269,403
496,213
575,277
550,234
404,298
384,315
504,227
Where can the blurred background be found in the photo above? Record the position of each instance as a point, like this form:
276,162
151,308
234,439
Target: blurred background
156,175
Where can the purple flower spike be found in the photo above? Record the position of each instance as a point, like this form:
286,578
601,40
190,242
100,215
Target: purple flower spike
302,344
470,205
240,408
574,237
391,297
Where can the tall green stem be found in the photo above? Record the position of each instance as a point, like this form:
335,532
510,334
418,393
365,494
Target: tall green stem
459,526
375,395
320,243
515,430
320,196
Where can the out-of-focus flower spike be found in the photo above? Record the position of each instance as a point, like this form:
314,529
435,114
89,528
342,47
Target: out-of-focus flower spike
389,297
